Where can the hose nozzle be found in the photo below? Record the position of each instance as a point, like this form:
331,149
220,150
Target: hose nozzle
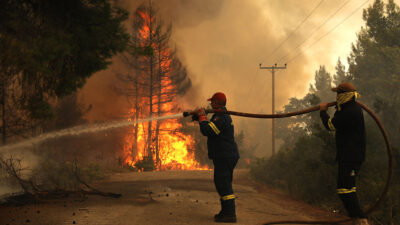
186,114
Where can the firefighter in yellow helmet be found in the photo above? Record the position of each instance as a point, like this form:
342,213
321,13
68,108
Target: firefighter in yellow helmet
348,124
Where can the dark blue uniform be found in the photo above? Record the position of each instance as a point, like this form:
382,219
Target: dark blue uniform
221,141
348,124
223,150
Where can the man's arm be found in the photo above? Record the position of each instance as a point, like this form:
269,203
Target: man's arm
338,121
326,120
208,128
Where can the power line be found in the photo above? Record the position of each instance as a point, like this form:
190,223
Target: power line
337,25
301,52
287,38
312,33
315,30
298,26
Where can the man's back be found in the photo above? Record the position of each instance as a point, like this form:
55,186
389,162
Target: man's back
350,133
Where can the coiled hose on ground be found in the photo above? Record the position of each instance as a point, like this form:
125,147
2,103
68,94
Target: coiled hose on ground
283,115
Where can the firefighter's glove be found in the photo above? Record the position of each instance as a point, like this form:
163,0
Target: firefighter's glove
195,117
201,113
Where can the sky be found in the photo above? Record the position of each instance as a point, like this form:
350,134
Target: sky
222,43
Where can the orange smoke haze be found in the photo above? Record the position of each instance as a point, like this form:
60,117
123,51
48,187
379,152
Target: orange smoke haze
222,43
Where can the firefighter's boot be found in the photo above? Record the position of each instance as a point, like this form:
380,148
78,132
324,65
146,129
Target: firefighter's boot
228,213
220,211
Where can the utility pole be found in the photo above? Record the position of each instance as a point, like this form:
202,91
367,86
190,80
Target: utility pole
273,68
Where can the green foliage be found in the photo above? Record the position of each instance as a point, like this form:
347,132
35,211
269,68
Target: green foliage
246,149
374,63
322,86
307,170
56,45
93,171
300,171
375,71
68,112
141,51
38,108
54,175
375,68
62,43
289,129
91,156
340,76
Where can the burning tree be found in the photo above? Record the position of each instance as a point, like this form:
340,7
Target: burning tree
155,80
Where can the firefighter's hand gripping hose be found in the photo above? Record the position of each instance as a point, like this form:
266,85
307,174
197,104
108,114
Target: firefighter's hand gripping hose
283,115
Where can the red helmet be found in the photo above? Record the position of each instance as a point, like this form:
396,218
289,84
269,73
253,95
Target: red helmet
218,97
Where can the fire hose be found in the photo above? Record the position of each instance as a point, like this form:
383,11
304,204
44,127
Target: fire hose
312,109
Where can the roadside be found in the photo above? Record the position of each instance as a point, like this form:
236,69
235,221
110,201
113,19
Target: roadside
166,197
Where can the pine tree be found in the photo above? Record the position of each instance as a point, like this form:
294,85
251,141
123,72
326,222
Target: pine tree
374,63
340,75
47,50
289,129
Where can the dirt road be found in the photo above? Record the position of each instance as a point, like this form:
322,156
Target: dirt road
168,197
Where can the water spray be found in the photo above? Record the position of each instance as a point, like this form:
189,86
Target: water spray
82,129
312,109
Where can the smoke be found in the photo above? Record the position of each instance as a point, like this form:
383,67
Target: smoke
28,162
7,189
25,155
222,43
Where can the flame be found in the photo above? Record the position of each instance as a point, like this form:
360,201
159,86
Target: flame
172,149
145,30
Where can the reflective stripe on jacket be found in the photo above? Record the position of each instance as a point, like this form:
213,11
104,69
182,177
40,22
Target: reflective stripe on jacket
221,141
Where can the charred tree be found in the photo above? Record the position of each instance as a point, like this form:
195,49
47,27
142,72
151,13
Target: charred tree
137,110
158,77
163,61
133,94
151,69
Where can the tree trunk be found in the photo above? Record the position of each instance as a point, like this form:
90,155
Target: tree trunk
149,135
158,162
135,137
3,112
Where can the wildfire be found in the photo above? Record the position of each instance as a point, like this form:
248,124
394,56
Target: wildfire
174,149
167,148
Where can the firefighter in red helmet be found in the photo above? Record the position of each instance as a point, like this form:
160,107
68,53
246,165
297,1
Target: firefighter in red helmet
223,151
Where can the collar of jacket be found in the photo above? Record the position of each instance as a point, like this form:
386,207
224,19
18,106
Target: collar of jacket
222,108
344,105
